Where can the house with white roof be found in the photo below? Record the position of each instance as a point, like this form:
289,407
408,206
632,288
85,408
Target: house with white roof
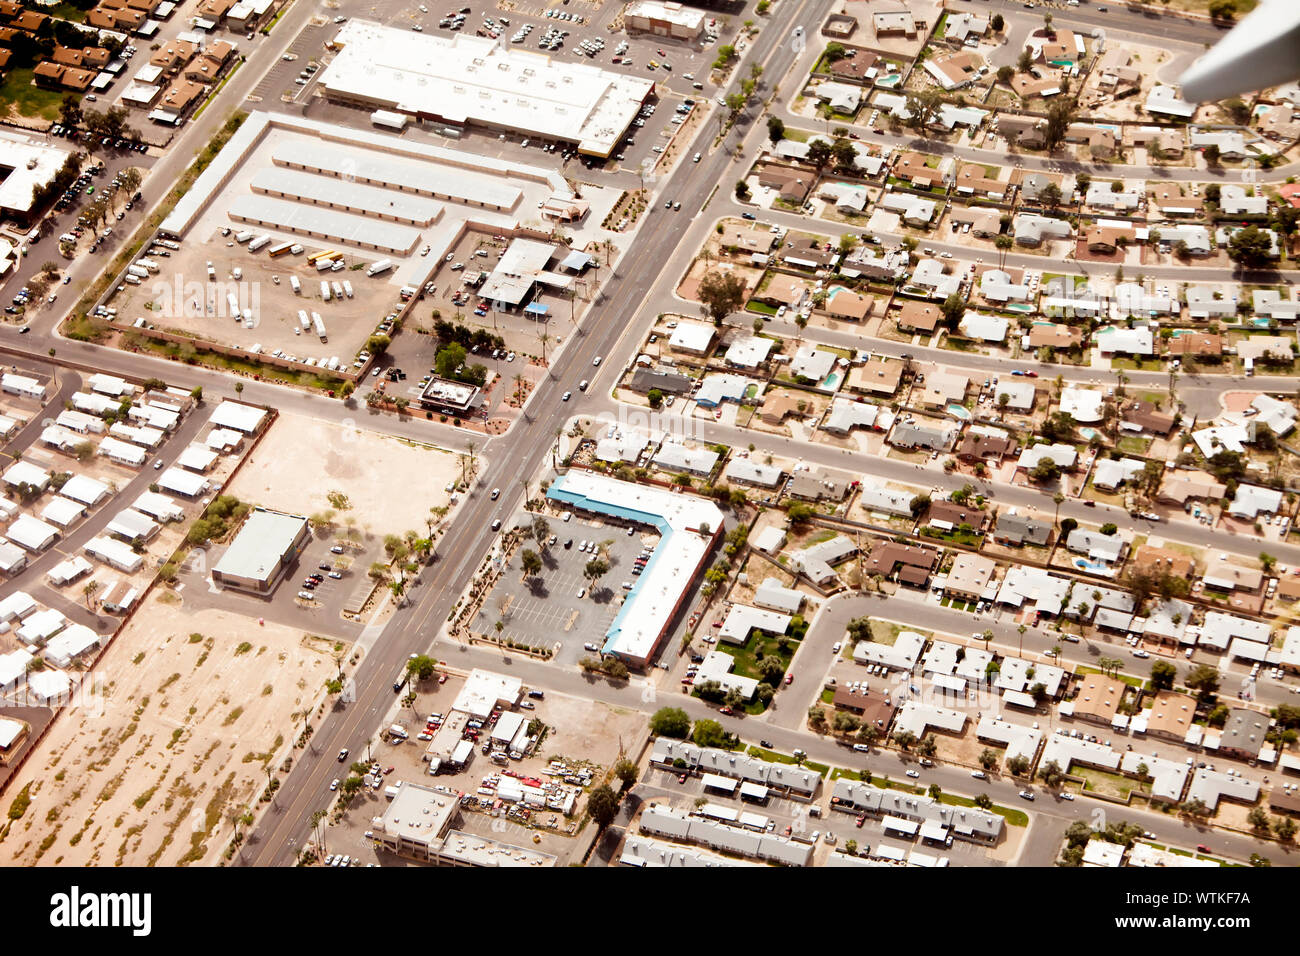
932,274
983,327
748,351
1110,473
1269,302
1251,501
812,363
1084,405
1204,302
1025,586
1065,456
845,415
996,286
914,210
1113,340
1234,201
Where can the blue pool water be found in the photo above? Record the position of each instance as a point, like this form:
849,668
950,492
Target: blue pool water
832,380
959,411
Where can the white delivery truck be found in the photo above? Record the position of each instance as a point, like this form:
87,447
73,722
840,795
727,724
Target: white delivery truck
325,290
259,243
295,249
248,318
338,265
397,730
323,265
233,303
297,286
320,326
148,264
338,290
347,288
243,237
380,267
131,280
303,320
139,272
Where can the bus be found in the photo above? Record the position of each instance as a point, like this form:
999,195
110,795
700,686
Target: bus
324,254
277,251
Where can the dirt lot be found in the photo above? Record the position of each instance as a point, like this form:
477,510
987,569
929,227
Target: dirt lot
195,704
181,299
302,461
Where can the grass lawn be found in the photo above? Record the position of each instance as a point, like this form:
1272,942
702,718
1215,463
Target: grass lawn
886,632
1133,445
760,646
773,757
1101,781
1131,681
1015,818
1136,364
761,307
18,94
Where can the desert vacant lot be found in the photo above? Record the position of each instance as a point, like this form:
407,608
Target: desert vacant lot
195,705
390,485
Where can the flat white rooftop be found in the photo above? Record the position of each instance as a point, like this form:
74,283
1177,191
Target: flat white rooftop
26,162
265,538
352,196
465,79
330,225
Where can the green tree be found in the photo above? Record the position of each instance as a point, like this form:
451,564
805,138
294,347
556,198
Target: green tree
721,293
775,129
595,569
835,51
531,562
449,359
602,805
626,772
656,397
421,667
1005,73
709,733
953,308
1250,247
1162,675
997,23
670,722
988,759
1060,114
1203,679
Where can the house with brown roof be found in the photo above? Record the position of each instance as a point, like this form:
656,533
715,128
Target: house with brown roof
181,96
973,179
1053,335
855,65
1280,123
918,316
173,55
1028,86
95,57
956,515
1170,142
779,404
906,563
1180,485
29,21
1140,415
48,74
1171,716
784,289
77,79
68,56
954,70
4,58
980,446
147,6
1026,131
1055,47
1194,343
853,306
1100,140
1098,698
793,185
1106,239
873,708
983,221
215,9
875,377
912,168
9,9
1163,561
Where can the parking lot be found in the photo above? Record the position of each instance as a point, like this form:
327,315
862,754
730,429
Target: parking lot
548,612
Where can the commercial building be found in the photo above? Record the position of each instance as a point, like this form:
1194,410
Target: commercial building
688,526
268,542
464,80
417,824
663,19
26,164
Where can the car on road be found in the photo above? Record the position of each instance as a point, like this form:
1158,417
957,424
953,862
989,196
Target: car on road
566,396
727,711
337,549
496,493
789,679
589,646
835,648
1066,795
1026,795
765,743
748,215
913,774
596,361
306,596
334,784
343,754
681,778
1202,848
979,775
496,524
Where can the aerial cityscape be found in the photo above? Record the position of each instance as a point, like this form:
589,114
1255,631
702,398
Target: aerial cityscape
638,433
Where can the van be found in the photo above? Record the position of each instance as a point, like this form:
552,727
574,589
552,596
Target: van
815,811
536,694
627,585
698,86
862,748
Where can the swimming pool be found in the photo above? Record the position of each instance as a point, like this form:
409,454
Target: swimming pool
959,411
831,380
1096,567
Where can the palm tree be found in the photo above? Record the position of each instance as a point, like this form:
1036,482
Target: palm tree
1020,647
239,388
544,338
1003,244
1056,500
89,591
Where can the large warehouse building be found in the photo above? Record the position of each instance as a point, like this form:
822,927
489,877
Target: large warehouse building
25,163
268,543
464,80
